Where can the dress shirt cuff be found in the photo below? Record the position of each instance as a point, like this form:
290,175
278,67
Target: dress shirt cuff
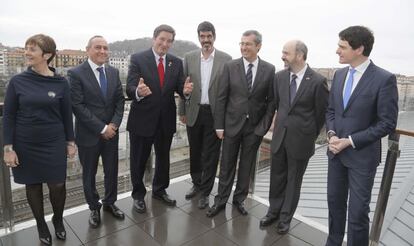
104,129
352,142
219,130
138,97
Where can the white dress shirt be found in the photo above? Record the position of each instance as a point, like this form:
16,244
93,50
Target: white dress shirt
206,66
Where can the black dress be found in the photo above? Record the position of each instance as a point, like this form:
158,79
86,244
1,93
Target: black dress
37,120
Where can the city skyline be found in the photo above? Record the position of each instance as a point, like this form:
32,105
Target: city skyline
316,22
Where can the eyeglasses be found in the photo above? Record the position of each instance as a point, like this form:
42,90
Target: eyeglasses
246,44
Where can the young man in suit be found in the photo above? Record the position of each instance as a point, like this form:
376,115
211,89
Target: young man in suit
204,68
98,105
300,99
153,77
243,102
363,108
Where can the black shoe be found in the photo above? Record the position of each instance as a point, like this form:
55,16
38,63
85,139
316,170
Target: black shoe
215,209
165,198
60,231
283,227
191,193
115,211
139,206
44,234
95,218
240,208
203,202
267,220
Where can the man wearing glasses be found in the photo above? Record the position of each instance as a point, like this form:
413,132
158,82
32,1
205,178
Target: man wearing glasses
242,117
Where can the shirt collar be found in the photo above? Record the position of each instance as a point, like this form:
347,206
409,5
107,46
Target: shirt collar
94,66
211,56
157,57
362,67
246,62
301,73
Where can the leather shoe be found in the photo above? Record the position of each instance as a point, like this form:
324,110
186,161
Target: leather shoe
60,231
283,228
267,220
139,206
114,210
240,208
191,193
214,210
165,198
44,234
95,218
203,202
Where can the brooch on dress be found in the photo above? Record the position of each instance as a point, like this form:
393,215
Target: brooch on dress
51,94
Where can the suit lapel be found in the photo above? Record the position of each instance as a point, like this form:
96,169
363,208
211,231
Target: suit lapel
304,84
259,72
214,70
167,76
242,72
363,82
152,65
90,76
196,60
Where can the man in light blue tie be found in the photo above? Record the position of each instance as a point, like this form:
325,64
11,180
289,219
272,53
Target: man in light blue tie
363,108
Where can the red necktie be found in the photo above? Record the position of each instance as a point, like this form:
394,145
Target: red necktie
161,72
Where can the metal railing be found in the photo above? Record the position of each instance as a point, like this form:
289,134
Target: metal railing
7,209
386,182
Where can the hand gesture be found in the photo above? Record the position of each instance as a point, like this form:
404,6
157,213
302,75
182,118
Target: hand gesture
142,89
188,86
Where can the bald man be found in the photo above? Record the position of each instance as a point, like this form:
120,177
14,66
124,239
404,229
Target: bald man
300,101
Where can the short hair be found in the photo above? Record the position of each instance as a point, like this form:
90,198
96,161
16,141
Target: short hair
91,39
206,26
258,39
45,43
301,47
163,28
357,36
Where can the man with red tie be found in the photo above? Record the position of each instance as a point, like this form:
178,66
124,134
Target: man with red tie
153,77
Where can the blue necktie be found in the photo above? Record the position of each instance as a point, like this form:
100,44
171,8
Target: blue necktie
102,81
249,77
293,88
348,86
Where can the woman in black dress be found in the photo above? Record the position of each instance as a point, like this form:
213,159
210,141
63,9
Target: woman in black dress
38,132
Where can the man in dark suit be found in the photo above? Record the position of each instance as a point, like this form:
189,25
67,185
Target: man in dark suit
153,77
204,68
300,99
98,105
242,117
363,108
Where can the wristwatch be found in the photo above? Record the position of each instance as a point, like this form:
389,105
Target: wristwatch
8,148
331,134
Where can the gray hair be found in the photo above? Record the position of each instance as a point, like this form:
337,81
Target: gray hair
91,39
258,38
301,48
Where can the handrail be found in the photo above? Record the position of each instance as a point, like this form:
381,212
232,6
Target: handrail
386,182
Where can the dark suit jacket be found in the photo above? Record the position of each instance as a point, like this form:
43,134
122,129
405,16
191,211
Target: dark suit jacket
299,124
192,63
371,114
234,101
159,107
91,109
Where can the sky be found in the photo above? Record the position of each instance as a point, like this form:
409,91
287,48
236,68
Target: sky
315,22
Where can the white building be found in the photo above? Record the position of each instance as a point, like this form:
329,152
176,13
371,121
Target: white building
120,62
